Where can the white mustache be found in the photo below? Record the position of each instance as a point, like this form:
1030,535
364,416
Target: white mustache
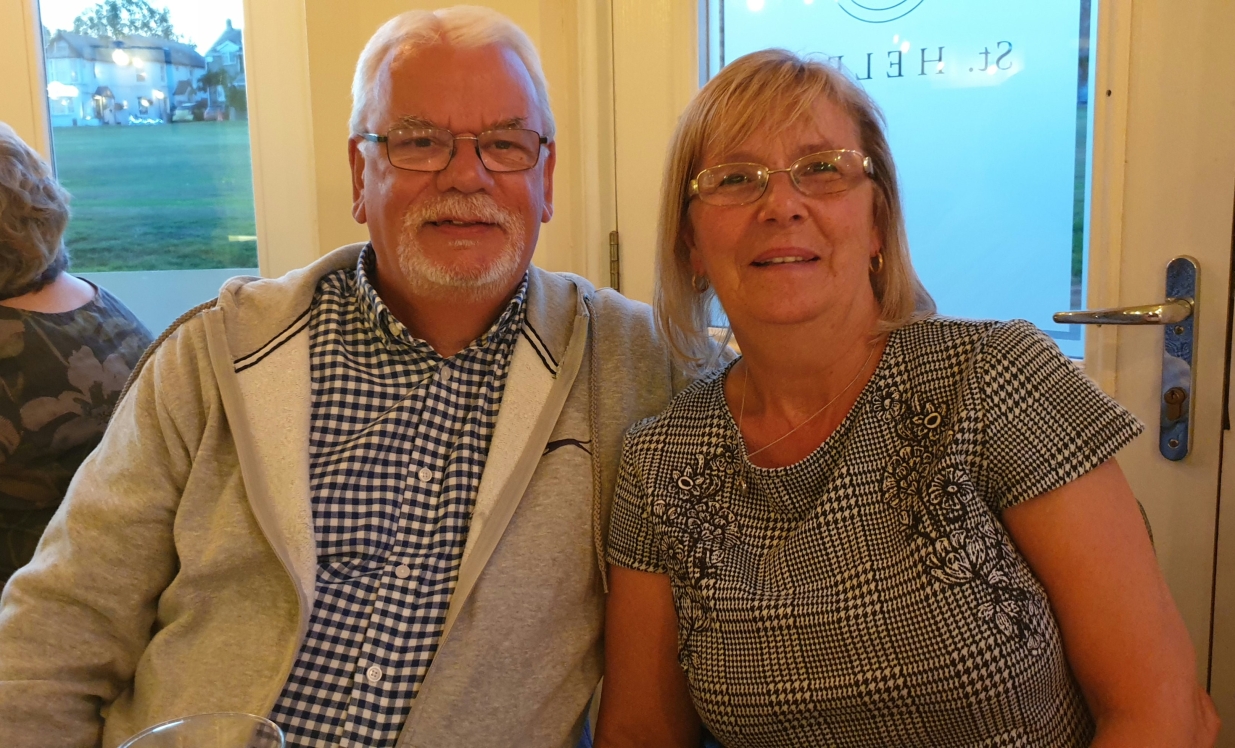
475,208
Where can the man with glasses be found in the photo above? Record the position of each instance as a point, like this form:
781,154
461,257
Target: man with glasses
366,499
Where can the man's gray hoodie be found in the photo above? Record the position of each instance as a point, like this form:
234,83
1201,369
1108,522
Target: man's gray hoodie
178,575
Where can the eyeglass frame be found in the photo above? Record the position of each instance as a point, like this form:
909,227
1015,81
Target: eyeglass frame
868,168
373,137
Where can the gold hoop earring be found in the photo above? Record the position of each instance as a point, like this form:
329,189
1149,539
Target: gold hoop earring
699,283
877,263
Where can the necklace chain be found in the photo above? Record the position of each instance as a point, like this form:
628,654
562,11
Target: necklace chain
839,395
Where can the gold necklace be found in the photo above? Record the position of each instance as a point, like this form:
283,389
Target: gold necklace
742,409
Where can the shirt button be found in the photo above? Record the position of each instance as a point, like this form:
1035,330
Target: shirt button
425,475
444,374
402,572
374,673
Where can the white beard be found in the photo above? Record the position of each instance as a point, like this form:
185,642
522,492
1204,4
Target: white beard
428,278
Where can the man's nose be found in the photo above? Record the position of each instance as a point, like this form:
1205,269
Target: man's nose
465,172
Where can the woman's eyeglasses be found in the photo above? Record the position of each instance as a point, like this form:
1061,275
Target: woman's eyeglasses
822,173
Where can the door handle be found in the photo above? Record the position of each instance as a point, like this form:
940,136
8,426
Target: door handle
1178,315
1169,312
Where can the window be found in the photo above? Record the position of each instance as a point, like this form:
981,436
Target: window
153,189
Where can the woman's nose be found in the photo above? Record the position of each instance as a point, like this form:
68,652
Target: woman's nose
781,200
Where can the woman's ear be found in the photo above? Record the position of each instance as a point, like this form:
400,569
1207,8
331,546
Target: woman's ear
879,215
687,236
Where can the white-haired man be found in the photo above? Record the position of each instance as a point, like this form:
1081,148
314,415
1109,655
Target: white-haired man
365,499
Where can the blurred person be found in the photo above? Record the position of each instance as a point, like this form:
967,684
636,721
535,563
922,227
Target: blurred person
66,350
879,526
368,498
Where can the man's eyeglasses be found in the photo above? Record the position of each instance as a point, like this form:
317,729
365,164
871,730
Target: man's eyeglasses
818,174
432,148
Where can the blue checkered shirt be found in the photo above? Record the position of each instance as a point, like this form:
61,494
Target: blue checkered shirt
398,441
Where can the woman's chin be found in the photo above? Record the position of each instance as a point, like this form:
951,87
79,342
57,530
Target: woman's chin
783,313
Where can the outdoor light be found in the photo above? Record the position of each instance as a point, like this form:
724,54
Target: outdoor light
139,62
158,94
120,57
58,90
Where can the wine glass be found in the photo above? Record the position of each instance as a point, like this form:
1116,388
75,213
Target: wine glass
217,730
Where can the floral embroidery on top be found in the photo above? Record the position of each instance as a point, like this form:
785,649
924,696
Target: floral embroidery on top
698,530
939,507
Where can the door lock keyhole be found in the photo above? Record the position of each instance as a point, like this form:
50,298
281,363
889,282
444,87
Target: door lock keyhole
1175,398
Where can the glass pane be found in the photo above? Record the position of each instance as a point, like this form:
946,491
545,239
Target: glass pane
988,118
149,129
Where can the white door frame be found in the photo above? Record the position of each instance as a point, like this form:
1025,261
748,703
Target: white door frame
655,59
1175,196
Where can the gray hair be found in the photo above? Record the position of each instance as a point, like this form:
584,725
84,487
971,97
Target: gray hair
34,211
461,26
771,90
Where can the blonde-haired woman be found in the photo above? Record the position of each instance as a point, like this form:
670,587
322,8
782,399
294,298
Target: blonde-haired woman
879,526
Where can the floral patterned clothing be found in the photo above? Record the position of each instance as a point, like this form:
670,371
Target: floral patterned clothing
60,377
868,595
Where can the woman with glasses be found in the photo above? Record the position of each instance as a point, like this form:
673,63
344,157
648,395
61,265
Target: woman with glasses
878,527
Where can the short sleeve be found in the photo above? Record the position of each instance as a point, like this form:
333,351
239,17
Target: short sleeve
1046,423
633,537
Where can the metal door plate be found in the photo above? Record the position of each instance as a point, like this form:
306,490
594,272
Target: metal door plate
1178,374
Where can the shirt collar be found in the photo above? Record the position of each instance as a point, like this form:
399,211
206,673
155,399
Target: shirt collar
378,317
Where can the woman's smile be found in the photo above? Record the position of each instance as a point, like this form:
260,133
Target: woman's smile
781,256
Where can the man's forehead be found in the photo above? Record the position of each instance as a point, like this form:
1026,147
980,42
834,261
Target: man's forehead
444,86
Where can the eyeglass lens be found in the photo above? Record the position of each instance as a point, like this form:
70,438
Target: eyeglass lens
817,174
430,148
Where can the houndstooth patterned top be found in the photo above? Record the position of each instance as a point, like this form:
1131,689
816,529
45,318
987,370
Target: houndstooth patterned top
398,441
868,595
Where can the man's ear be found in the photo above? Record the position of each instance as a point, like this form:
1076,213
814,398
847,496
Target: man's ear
357,160
550,163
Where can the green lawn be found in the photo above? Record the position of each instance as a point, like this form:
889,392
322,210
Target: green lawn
161,197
